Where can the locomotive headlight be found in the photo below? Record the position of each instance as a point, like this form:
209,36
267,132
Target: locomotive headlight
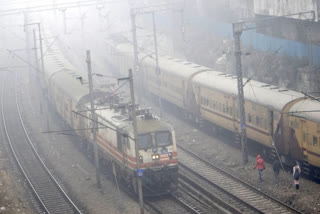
155,157
170,155
140,159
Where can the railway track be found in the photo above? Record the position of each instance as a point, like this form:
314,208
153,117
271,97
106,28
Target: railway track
247,199
49,193
172,204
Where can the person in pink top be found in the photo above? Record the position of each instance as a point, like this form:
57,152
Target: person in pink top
296,175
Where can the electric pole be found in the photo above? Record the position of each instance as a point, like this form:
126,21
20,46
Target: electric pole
155,43
64,20
135,45
134,120
37,65
25,15
135,137
35,48
241,107
94,119
140,11
41,49
238,28
40,40
157,60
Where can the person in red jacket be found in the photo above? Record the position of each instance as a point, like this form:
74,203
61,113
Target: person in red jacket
260,165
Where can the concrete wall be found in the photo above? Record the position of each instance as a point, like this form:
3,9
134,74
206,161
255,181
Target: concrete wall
285,7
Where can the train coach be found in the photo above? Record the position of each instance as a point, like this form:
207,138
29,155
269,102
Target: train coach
68,92
275,117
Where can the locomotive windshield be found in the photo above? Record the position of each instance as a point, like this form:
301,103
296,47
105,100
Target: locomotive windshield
145,141
163,139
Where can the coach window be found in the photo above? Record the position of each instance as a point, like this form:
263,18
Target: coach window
315,141
257,120
163,138
265,124
224,108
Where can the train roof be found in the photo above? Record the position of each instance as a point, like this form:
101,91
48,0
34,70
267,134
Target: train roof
121,121
271,96
307,108
64,75
175,66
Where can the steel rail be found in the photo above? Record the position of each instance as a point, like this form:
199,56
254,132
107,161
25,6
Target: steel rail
169,204
245,184
29,180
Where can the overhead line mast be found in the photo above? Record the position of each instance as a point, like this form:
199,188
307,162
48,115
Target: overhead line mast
238,28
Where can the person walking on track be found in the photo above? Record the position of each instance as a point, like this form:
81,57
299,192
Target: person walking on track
260,165
296,175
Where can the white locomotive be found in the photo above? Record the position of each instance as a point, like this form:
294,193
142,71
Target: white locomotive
156,139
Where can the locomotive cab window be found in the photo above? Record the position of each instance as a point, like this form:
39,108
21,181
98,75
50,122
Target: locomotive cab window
163,139
145,141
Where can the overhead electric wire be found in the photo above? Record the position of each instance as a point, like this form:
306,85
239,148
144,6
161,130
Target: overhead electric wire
113,93
70,130
50,5
53,8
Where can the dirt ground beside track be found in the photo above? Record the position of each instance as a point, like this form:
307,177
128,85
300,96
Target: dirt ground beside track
13,198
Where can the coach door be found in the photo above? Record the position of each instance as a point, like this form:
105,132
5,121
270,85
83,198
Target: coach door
122,147
235,115
304,137
271,124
